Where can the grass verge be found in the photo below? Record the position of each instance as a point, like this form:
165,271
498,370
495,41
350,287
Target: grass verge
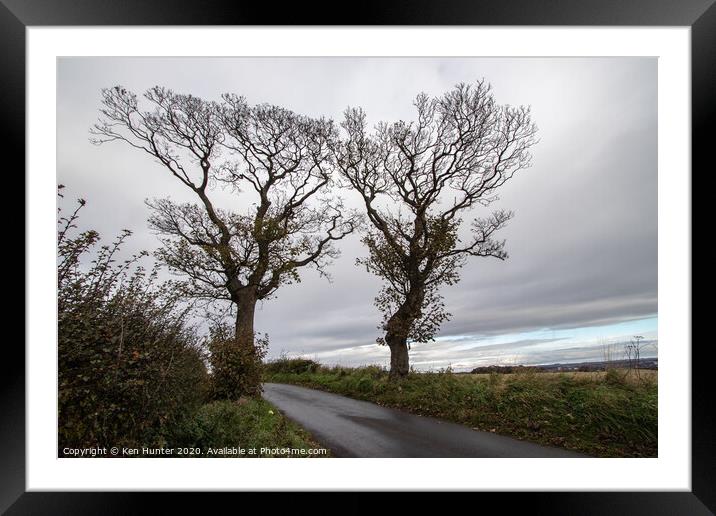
221,428
603,415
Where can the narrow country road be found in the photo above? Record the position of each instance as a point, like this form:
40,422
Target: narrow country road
353,428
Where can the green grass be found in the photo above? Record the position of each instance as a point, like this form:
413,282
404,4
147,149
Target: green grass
604,415
248,424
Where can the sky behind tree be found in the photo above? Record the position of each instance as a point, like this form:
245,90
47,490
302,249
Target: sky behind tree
583,243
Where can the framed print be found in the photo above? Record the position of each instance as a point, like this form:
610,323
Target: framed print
439,239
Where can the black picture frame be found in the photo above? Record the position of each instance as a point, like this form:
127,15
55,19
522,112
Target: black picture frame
16,15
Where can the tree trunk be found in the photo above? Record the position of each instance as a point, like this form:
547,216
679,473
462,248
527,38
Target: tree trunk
245,310
396,337
397,330
399,360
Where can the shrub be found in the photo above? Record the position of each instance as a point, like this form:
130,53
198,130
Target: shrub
287,365
128,366
235,370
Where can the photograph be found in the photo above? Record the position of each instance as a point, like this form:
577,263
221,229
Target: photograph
357,257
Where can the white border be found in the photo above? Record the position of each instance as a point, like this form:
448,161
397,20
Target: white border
670,471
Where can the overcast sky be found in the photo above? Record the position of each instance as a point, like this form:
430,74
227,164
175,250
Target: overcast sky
583,244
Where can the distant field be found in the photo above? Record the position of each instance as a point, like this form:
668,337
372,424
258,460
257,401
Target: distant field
629,377
603,414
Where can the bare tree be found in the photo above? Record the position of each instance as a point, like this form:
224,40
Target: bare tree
279,157
415,180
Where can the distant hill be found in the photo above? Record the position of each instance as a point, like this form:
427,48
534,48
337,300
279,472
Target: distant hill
644,363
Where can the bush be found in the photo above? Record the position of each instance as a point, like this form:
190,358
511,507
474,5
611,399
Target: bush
291,366
235,370
128,366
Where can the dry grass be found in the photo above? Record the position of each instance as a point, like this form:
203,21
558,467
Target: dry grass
631,377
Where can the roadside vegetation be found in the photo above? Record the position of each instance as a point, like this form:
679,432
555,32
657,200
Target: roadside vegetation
132,371
251,423
603,414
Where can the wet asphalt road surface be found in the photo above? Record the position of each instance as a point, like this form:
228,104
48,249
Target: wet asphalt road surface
354,428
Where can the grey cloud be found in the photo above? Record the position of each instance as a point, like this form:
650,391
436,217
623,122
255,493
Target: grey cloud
583,243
